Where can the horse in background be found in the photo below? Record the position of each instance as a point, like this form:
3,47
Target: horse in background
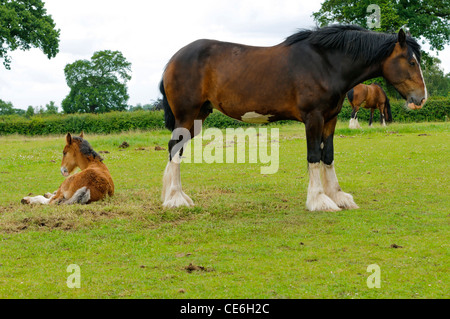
305,78
93,183
369,97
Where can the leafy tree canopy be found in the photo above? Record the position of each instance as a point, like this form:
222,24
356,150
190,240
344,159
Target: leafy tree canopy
6,108
25,24
98,85
428,19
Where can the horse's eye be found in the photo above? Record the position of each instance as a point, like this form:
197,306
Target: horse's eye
64,153
412,63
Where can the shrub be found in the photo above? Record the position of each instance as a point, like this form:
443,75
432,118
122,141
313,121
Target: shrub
436,109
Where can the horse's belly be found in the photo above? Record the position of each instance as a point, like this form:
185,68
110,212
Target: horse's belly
253,114
256,118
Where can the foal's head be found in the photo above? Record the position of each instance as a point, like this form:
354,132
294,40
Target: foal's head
77,153
402,69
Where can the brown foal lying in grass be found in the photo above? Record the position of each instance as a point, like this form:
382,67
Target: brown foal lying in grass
93,183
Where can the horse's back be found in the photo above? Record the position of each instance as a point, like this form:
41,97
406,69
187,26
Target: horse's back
378,93
236,79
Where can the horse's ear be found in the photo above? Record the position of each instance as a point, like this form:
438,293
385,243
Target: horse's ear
402,37
82,135
69,139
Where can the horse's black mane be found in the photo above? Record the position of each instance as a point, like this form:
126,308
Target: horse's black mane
86,149
358,42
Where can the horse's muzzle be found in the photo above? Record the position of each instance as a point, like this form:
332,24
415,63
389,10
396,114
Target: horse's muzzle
415,104
64,171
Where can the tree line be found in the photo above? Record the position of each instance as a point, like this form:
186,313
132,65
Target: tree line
7,108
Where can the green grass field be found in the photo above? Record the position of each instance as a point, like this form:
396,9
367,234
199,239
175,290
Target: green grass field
249,234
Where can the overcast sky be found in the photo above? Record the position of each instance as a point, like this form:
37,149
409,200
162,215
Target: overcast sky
148,33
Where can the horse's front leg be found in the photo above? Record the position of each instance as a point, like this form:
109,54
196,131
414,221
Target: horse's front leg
316,200
329,179
44,200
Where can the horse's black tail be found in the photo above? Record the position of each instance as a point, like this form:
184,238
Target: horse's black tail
388,110
350,95
169,118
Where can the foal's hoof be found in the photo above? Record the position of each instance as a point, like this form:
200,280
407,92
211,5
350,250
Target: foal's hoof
321,202
25,201
177,199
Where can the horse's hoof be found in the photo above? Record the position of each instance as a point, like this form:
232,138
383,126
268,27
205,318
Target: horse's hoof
321,202
25,201
344,200
177,199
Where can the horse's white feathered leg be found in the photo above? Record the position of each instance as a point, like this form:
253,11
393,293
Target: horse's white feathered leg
333,190
317,200
172,194
354,124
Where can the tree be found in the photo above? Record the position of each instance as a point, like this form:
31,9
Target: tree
438,83
6,108
51,108
30,111
428,19
98,85
25,24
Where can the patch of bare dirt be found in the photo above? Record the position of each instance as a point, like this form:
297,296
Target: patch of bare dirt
193,267
124,145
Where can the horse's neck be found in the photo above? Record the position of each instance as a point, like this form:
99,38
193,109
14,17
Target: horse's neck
358,73
348,72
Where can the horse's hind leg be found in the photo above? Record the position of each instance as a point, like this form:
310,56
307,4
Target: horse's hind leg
371,117
354,119
382,109
81,196
172,194
329,179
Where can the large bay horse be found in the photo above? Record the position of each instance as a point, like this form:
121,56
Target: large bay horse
93,183
370,97
304,78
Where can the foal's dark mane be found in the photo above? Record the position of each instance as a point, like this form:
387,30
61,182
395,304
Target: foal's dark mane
86,149
359,43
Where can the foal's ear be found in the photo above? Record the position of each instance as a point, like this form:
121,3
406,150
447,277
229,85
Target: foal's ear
402,37
82,135
69,139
